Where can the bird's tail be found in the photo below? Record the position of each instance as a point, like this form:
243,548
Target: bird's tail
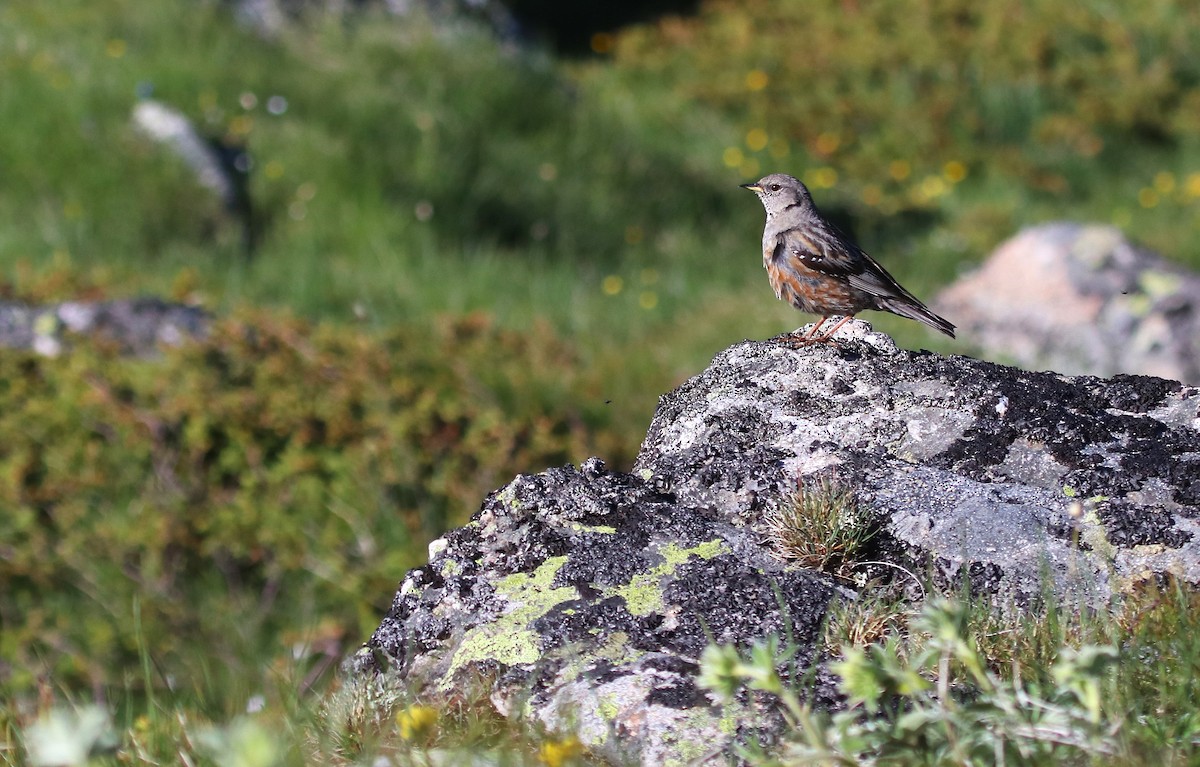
915,310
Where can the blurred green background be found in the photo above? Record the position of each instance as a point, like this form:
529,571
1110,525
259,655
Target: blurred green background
476,256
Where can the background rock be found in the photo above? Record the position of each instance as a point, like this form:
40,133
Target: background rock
138,325
219,165
1081,299
270,18
583,598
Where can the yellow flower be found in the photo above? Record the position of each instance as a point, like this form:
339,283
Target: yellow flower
556,753
932,186
1193,184
756,80
823,178
828,142
241,125
416,721
756,139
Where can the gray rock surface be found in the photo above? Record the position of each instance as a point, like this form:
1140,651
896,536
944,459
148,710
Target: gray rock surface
219,165
1081,299
269,18
170,127
583,598
138,325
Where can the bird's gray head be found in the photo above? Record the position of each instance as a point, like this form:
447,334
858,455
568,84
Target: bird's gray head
779,192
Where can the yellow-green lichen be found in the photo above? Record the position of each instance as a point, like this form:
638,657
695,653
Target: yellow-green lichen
508,639
508,496
1094,534
1138,304
616,649
580,528
643,594
692,738
607,708
728,723
1159,284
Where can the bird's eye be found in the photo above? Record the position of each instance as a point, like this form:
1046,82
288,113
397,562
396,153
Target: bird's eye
775,187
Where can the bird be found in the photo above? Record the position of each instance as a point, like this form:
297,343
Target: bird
818,270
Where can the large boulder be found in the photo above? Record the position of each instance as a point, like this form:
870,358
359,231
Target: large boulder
1081,299
582,598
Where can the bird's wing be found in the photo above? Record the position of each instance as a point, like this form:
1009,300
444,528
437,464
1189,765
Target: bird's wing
825,250
818,250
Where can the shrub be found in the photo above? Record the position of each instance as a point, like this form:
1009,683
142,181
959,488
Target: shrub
270,476
975,118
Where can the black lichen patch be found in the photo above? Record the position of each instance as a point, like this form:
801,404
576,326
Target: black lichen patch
725,600
679,692
978,579
411,627
615,558
678,688
979,449
1144,459
1137,394
1064,529
1128,525
1184,476
1076,422
586,620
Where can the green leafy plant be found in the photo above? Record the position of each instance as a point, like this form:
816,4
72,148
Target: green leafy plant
931,696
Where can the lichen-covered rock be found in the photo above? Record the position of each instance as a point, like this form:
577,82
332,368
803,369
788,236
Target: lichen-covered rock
586,598
972,463
1081,299
583,598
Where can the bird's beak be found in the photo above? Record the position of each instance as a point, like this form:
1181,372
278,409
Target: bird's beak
752,187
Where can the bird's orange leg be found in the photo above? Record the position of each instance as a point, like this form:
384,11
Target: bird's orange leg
828,335
810,336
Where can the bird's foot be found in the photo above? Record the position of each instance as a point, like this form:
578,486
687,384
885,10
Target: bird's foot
814,336
798,341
